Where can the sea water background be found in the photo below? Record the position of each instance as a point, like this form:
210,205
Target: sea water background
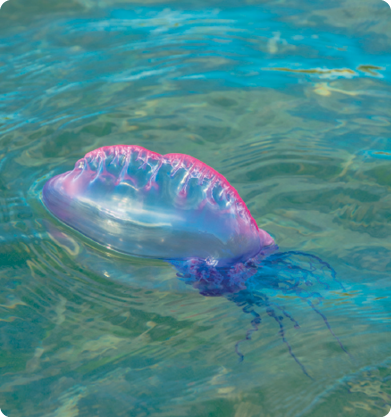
291,101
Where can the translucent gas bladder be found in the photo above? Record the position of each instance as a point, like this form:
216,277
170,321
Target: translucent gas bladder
168,207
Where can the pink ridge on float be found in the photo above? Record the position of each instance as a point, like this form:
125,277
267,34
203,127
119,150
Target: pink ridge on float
163,206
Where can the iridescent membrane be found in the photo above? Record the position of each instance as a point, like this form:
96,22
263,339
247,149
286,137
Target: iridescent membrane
168,207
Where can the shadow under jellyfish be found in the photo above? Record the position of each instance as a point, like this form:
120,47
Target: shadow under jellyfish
176,208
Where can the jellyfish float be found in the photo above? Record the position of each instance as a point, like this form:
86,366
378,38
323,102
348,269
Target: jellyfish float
176,208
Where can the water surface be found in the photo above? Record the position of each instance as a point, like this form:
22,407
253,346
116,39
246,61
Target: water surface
291,102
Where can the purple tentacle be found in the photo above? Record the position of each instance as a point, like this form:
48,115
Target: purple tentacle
322,262
286,314
255,323
329,327
272,313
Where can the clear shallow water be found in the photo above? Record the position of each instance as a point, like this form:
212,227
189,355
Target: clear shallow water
291,102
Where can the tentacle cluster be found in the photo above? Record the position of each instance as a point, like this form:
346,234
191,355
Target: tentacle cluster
251,286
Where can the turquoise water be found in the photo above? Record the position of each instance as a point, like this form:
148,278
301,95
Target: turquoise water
291,102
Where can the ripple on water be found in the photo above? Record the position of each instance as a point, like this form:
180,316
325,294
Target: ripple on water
291,105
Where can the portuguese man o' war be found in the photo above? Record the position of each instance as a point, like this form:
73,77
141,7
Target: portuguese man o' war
167,207
176,208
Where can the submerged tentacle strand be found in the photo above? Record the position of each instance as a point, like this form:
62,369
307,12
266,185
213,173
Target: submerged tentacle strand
329,327
270,311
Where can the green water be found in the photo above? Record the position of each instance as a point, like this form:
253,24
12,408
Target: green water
291,102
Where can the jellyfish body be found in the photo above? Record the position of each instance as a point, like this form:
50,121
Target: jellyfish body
167,207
